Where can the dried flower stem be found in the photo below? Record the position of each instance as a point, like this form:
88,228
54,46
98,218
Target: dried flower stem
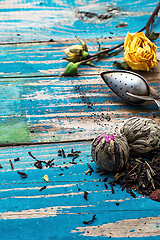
146,27
155,12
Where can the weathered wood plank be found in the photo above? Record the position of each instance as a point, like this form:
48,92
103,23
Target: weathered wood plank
38,105
62,202
46,59
60,109
23,21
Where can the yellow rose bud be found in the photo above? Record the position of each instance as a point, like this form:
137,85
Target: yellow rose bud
75,53
140,52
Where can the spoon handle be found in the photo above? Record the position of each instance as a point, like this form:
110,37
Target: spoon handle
147,98
153,93
157,102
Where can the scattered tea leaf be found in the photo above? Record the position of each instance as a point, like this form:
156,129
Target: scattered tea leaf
90,221
85,195
105,179
23,175
63,153
16,159
122,25
90,167
42,188
38,164
141,174
106,186
88,172
32,155
112,189
1,166
10,161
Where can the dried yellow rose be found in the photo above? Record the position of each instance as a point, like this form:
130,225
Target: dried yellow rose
140,52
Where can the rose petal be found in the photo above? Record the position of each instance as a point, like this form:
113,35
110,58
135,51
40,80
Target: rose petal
140,52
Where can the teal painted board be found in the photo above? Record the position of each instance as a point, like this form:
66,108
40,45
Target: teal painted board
26,21
59,210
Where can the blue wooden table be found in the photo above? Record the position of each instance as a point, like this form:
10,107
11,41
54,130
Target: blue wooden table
42,113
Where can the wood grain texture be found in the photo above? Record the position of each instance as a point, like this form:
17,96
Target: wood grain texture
63,203
47,58
38,105
25,21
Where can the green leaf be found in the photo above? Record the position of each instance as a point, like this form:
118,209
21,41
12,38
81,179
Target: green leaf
90,64
84,46
153,36
116,52
122,65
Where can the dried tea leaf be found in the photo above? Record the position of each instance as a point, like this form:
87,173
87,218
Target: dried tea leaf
89,166
23,175
85,195
112,189
38,164
11,164
155,195
46,178
32,155
105,179
90,221
122,25
42,188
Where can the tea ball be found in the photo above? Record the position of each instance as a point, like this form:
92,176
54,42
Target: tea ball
143,134
110,152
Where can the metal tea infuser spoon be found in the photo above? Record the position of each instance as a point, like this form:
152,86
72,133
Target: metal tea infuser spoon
130,86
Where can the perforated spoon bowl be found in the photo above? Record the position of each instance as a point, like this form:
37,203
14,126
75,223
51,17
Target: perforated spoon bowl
122,82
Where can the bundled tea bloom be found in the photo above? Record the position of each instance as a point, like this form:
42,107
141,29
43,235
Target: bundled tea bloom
110,152
143,134
140,52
